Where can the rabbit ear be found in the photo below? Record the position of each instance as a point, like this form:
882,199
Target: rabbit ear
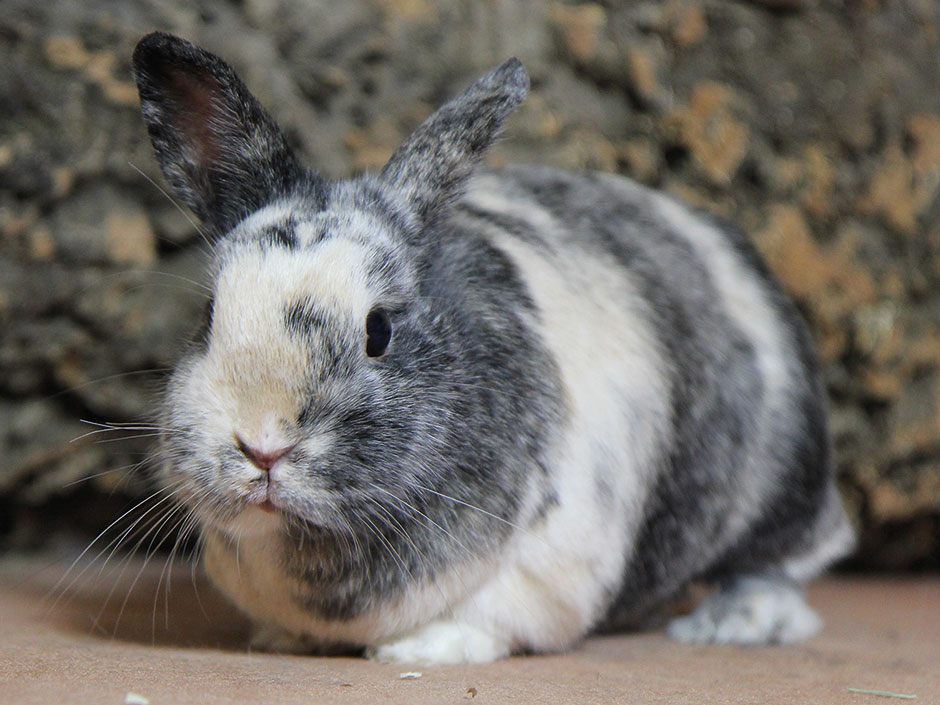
220,151
432,164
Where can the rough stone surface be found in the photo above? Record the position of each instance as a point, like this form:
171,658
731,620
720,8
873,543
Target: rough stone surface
815,127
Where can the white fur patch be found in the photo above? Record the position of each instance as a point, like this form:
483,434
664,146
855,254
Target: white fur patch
555,577
272,214
756,611
253,579
440,643
255,369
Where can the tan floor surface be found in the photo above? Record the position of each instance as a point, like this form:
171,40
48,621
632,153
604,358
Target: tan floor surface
881,634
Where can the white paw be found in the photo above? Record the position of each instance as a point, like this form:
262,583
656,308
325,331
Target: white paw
440,643
753,611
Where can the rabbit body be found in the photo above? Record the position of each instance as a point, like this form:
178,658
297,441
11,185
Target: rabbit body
450,414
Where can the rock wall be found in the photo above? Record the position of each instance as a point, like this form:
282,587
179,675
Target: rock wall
815,126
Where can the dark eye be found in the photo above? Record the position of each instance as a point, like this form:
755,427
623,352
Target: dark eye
378,332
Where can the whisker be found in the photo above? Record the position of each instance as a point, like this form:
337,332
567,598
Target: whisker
108,378
180,530
426,517
173,201
157,272
196,561
136,526
119,542
154,532
112,425
175,287
388,546
468,505
108,429
97,538
446,604
395,525
99,474
130,437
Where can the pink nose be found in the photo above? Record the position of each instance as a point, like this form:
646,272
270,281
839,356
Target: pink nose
262,460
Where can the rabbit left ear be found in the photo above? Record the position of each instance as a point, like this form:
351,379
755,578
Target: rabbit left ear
220,151
434,162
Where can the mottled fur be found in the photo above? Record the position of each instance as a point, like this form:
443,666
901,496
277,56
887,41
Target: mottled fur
591,397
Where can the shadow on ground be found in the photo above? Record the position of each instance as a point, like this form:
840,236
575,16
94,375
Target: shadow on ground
150,603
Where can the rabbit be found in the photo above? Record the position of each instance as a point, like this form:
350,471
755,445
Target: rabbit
443,414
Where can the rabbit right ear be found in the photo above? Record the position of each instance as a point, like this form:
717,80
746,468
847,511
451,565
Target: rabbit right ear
220,151
433,164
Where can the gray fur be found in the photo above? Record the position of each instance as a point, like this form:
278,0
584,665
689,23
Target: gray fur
715,390
445,447
219,149
435,161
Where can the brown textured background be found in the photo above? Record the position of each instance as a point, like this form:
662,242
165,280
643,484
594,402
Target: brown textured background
814,126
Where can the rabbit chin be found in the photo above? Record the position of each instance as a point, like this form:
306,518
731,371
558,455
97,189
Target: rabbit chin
252,522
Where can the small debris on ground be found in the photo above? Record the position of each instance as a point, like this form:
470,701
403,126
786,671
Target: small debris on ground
882,693
135,699
410,676
471,693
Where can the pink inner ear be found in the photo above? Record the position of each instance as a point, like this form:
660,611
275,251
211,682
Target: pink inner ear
197,114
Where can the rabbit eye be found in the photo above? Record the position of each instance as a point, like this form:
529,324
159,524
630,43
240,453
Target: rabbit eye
378,332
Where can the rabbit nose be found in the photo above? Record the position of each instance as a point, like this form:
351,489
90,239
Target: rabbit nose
263,460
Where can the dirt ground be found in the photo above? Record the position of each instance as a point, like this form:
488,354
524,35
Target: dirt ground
119,633
813,126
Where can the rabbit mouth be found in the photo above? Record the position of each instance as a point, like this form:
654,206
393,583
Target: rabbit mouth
265,505
263,496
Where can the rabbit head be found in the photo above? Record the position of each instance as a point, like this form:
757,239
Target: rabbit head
343,380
